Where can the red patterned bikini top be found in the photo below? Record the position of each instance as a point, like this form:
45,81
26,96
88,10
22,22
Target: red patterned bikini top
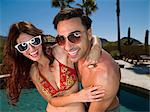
67,79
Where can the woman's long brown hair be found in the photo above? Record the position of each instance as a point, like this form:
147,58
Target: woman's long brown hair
19,64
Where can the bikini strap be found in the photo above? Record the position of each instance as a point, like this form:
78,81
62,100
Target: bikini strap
57,60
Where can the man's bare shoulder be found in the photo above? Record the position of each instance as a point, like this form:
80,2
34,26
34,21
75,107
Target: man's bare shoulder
106,59
107,72
106,63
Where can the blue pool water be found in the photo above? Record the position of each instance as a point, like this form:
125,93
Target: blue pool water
133,102
31,101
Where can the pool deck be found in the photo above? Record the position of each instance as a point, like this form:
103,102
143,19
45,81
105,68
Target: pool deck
136,75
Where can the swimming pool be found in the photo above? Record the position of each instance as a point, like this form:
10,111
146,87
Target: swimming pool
133,101
31,101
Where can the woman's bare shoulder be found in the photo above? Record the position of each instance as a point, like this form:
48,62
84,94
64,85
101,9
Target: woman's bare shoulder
60,54
58,51
33,70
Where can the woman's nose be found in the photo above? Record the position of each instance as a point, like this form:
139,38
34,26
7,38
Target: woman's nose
31,47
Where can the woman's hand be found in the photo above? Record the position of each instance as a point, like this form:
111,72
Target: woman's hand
94,54
93,57
91,94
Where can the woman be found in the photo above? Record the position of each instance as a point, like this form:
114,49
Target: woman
53,75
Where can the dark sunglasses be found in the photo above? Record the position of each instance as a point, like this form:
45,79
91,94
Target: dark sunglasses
73,37
24,46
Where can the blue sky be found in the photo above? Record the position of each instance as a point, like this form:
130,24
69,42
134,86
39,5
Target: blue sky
134,13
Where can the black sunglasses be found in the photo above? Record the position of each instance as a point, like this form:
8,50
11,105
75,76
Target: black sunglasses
73,37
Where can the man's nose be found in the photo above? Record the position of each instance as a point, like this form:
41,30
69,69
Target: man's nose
68,45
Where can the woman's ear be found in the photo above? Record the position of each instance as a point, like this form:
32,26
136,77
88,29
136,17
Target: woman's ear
89,32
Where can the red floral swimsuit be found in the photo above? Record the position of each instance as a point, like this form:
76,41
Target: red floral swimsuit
67,79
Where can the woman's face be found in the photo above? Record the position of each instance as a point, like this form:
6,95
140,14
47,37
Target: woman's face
30,46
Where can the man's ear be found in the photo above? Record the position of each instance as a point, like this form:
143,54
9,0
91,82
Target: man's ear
89,32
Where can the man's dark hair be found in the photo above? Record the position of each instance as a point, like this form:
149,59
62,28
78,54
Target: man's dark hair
69,13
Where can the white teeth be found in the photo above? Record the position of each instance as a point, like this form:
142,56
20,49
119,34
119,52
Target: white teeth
33,53
73,52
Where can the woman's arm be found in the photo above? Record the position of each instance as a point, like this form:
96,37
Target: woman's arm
85,95
95,52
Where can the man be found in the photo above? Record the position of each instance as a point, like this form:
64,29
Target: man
74,36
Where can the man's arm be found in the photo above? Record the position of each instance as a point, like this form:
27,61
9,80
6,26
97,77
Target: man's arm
100,106
109,80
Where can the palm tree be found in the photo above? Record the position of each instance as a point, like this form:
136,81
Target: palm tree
61,3
88,6
118,24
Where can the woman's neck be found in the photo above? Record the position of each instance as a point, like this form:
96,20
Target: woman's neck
43,61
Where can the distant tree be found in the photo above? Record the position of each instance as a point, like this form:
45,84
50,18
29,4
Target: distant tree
88,6
129,36
146,41
118,24
61,3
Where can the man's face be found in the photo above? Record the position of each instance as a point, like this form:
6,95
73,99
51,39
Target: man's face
77,50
